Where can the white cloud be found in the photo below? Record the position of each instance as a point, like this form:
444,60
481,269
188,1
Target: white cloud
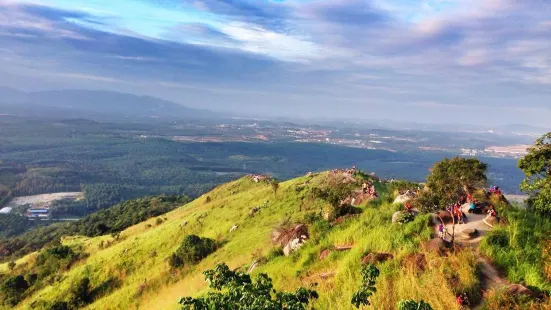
256,39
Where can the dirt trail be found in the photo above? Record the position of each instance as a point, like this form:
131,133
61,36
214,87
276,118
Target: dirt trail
490,278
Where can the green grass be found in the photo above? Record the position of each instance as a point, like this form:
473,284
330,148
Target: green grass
139,259
518,248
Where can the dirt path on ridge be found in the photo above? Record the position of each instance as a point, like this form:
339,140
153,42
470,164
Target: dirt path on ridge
489,276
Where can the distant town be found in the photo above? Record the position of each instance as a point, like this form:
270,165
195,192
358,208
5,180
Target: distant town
486,144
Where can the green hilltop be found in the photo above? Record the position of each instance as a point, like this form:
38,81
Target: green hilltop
132,270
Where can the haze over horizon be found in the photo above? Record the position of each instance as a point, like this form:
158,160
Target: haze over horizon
443,61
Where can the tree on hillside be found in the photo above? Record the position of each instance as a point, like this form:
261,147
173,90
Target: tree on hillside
450,179
536,166
236,290
334,191
275,185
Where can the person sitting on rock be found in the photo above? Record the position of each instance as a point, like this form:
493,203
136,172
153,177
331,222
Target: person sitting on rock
364,187
408,206
472,207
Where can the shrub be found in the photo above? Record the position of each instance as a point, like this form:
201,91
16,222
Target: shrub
367,287
237,291
158,221
405,217
192,250
312,217
497,238
12,290
80,294
274,253
413,305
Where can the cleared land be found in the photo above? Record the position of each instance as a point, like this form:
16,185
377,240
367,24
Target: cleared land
44,198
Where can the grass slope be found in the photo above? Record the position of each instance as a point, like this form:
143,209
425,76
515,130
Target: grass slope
137,262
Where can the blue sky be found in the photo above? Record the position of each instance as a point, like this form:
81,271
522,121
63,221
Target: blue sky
466,61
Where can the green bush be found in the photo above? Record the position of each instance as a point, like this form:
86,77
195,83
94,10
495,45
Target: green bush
274,253
192,250
12,290
312,217
236,290
367,287
413,305
497,238
405,217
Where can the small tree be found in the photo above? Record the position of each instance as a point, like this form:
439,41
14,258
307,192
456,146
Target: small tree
409,304
192,250
367,288
275,186
81,293
451,179
236,290
13,289
536,166
12,265
334,192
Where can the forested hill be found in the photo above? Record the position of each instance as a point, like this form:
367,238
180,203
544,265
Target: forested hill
93,104
109,221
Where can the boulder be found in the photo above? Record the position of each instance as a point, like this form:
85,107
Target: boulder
324,254
402,198
415,261
469,233
396,216
293,245
445,216
374,258
436,245
517,290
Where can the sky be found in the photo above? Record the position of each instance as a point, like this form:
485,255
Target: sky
434,61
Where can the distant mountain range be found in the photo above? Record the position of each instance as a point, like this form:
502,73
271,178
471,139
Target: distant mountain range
92,104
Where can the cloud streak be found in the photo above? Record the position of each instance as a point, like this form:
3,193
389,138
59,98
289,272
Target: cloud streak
372,55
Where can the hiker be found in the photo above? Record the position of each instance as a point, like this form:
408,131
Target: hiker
469,197
492,211
373,192
462,300
457,212
364,187
441,231
408,206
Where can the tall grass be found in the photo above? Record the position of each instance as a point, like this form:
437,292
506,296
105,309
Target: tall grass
518,248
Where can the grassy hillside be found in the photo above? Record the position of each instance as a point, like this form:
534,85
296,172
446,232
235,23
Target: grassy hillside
131,271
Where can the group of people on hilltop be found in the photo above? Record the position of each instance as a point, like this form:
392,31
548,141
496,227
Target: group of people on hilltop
259,177
456,212
369,188
350,171
495,190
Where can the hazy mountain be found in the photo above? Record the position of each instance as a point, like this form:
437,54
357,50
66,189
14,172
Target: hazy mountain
89,103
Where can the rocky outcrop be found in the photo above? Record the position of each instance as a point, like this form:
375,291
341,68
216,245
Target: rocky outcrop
518,290
290,239
375,258
469,233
